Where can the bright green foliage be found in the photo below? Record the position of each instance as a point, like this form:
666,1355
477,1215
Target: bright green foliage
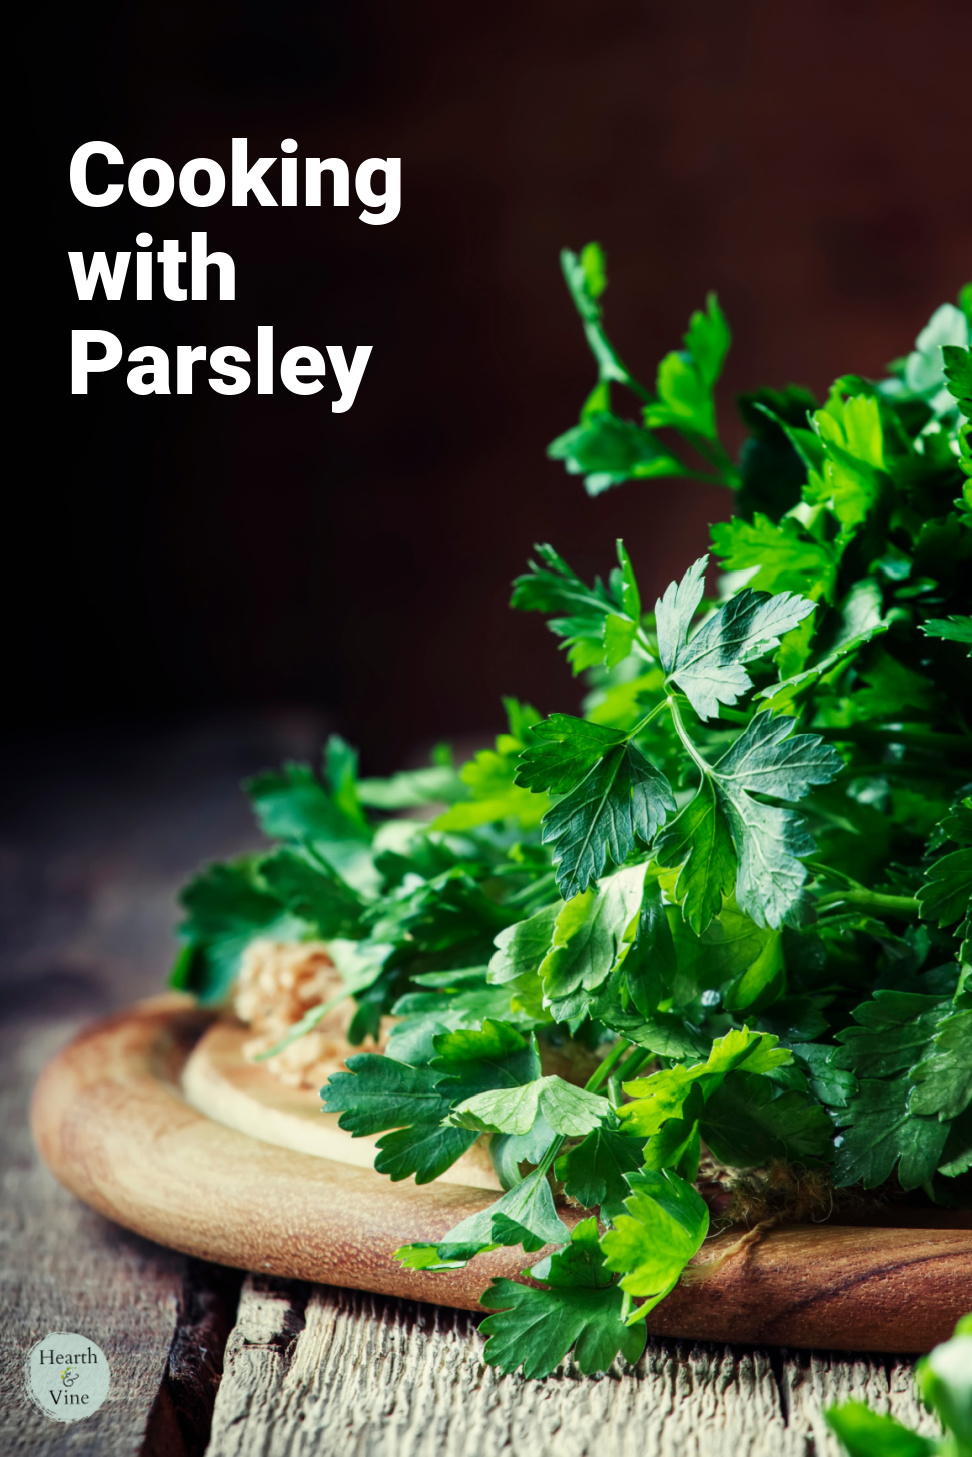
665,1224
944,1379
536,1328
721,907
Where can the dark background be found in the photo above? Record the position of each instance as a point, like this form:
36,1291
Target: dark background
171,557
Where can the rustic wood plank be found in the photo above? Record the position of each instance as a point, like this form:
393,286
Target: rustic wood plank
97,836
315,1370
66,1268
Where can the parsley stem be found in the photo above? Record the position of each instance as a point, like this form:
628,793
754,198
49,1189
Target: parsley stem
605,1067
905,906
635,1063
648,718
682,732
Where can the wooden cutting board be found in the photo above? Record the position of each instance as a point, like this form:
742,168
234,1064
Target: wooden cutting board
153,1118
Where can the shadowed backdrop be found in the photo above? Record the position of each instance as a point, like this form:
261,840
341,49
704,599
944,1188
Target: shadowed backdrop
204,554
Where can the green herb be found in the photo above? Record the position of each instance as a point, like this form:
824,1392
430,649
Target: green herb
724,905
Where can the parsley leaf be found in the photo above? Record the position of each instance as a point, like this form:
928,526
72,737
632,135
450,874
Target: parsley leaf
580,1307
943,1081
227,906
708,667
686,378
607,450
593,1172
664,1226
588,939
613,797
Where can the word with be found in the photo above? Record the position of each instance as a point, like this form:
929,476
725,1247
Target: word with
169,256
299,368
245,179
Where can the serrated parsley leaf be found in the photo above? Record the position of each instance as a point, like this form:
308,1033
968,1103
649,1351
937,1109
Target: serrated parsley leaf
582,613
650,965
588,938
618,805
942,1082
520,950
566,1109
311,889
708,667
768,758
562,750
227,906
748,1120
606,451
581,1308
946,890
294,805
700,842
424,1150
594,1171
525,1215
686,378
650,1245
780,555
878,1132
496,1055
663,1095
953,629
726,835
377,1093
895,1030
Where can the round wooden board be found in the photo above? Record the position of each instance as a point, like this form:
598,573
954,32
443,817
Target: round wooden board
112,1122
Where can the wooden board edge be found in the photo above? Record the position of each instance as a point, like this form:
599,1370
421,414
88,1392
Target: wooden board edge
111,1125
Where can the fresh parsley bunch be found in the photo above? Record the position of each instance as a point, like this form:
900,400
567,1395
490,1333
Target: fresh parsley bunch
726,909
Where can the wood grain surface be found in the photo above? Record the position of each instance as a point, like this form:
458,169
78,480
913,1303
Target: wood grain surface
111,1123
317,1372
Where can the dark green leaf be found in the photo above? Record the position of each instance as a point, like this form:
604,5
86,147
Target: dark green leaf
594,1171
425,1150
313,891
709,666
228,906
748,1121
581,1308
946,890
699,840
877,1131
377,1093
588,939
606,450
943,1081
619,805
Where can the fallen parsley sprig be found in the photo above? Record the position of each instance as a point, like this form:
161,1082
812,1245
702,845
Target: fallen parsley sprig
729,901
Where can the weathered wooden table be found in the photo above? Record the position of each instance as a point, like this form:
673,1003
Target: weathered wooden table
95,843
